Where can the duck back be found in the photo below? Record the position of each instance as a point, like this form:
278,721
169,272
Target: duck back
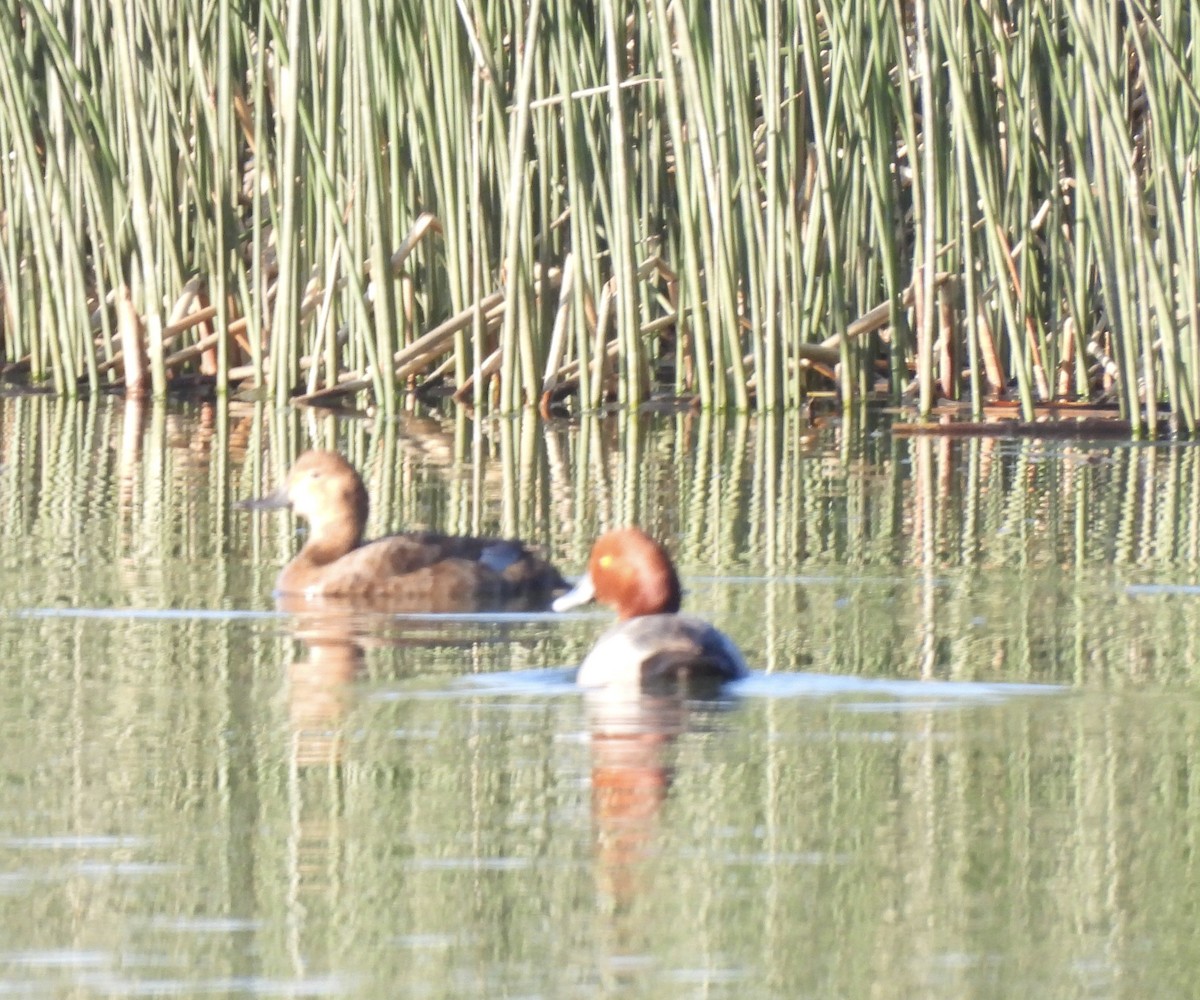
662,651
447,568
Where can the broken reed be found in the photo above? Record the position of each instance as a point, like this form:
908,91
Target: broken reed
550,200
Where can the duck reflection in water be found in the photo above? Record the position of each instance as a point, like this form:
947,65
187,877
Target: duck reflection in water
320,685
633,765
411,571
631,777
337,635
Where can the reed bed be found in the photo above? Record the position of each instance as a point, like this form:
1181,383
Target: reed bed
555,204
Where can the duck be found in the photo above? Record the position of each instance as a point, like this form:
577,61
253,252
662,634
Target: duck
652,646
411,571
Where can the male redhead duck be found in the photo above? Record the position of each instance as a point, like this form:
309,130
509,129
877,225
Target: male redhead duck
652,644
420,570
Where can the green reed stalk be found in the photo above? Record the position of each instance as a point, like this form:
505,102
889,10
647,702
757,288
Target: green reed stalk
370,203
260,202
225,182
517,264
332,237
286,85
769,363
689,200
1190,345
474,200
966,238
749,235
924,210
582,236
623,238
12,326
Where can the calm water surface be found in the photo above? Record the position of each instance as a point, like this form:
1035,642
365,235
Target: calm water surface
964,767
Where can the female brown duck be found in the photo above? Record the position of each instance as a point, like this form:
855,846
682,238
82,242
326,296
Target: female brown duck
421,569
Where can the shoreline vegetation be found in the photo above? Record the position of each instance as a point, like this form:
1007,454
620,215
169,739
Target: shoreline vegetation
563,205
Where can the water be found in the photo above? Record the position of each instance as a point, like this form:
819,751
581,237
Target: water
964,765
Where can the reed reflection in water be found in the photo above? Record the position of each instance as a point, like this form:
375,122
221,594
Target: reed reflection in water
819,546
205,792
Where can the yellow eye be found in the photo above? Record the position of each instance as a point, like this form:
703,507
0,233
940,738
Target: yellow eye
605,561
